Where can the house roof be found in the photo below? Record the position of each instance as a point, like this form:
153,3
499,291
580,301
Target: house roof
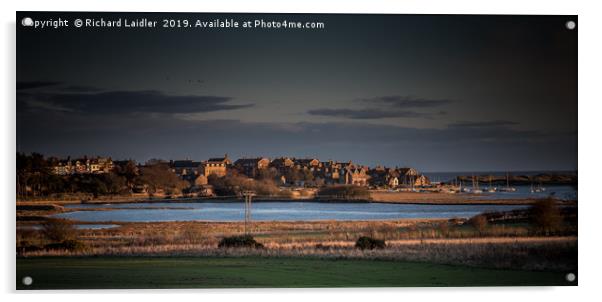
184,164
305,161
280,161
404,171
224,159
247,161
220,159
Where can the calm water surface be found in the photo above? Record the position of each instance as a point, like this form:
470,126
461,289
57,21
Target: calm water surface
266,211
559,192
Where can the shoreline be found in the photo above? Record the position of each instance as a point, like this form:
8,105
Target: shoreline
455,200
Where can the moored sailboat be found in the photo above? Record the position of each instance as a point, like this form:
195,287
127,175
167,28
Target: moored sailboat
476,189
491,189
508,188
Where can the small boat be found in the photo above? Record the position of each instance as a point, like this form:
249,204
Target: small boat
535,189
508,188
476,189
464,189
491,189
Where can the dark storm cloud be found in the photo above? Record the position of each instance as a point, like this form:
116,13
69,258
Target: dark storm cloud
64,133
393,108
366,113
483,70
399,101
78,88
497,123
35,84
125,102
365,132
69,127
55,86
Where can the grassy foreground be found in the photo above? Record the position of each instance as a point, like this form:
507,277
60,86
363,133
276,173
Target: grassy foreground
211,272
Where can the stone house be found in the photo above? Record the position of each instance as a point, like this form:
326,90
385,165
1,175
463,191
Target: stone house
251,166
282,164
407,176
185,168
307,163
356,177
82,166
217,166
393,182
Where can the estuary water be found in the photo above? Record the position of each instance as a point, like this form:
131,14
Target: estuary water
273,211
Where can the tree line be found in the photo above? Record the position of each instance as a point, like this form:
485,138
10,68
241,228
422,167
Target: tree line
36,178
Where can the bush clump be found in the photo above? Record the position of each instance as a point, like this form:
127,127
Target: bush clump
479,222
28,248
239,241
369,243
345,192
322,247
546,216
70,245
58,230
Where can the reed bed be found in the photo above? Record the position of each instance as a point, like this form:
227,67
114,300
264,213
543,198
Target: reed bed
550,254
425,240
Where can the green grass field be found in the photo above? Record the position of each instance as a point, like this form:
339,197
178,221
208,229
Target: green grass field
202,272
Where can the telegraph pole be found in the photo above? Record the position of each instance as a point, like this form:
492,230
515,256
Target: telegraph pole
248,198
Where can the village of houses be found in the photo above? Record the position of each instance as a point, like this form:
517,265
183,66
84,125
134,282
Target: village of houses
311,172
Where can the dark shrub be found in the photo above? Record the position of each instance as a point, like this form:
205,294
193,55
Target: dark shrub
239,241
71,245
545,215
444,228
28,248
320,246
344,192
479,222
369,243
58,230
457,221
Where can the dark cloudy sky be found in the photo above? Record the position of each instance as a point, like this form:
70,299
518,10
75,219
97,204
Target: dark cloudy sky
439,93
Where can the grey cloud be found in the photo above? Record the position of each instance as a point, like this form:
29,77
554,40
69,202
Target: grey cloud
126,102
55,86
396,106
366,113
496,123
80,88
399,101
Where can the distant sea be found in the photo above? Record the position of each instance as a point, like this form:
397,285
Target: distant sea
522,191
449,176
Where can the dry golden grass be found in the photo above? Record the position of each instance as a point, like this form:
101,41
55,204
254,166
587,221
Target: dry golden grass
558,254
411,240
273,232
